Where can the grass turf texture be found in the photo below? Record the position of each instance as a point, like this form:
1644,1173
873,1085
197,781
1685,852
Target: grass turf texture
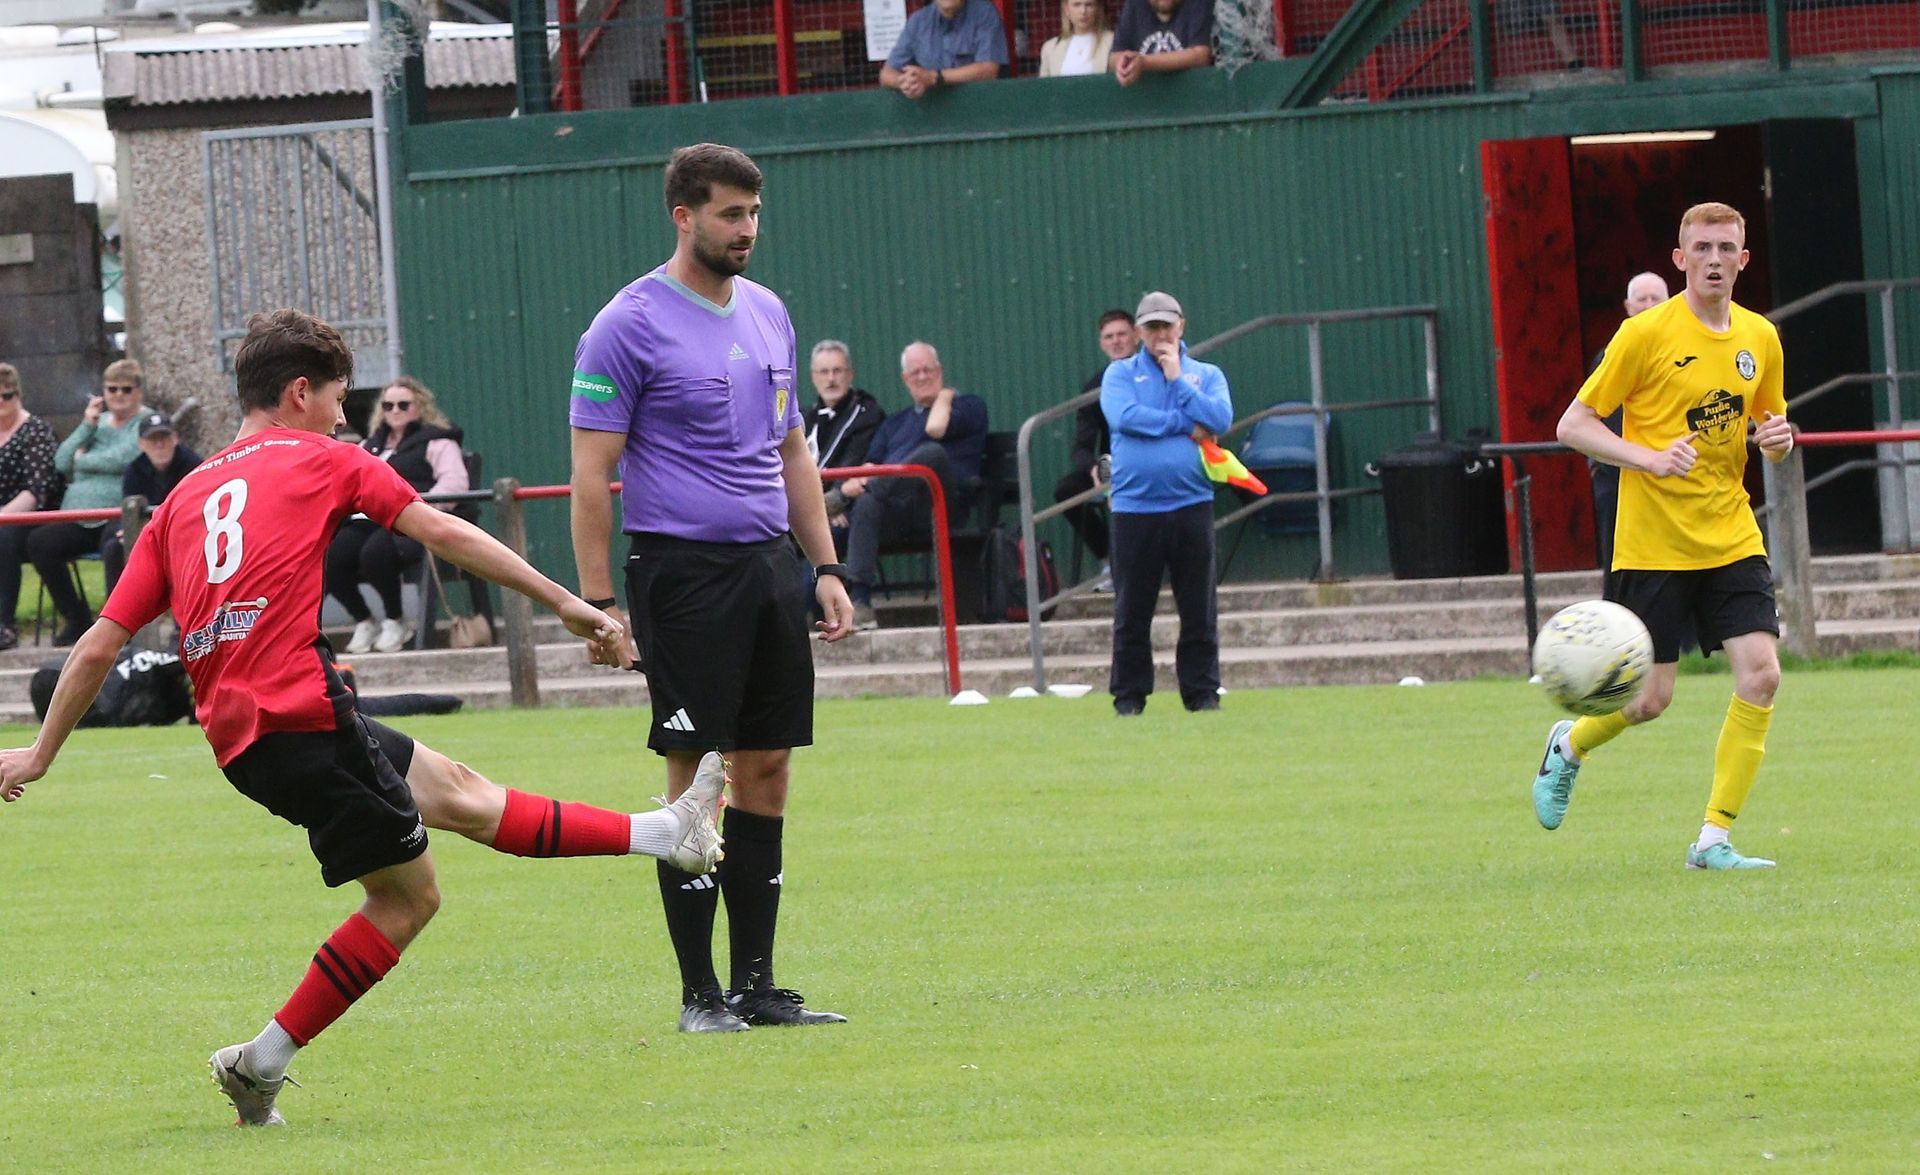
1317,931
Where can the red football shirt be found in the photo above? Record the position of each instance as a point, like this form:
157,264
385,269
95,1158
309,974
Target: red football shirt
236,551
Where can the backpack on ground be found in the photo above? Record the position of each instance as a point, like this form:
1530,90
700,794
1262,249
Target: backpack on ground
144,688
1003,580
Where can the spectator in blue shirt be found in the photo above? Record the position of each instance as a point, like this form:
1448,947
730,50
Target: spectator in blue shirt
1160,402
944,431
1161,36
947,43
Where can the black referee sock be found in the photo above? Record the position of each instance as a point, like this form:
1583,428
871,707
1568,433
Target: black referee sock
690,900
750,881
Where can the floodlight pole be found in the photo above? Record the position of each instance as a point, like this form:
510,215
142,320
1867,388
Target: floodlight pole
383,196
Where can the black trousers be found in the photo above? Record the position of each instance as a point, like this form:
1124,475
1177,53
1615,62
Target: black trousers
363,552
13,556
51,548
1089,519
1146,549
890,510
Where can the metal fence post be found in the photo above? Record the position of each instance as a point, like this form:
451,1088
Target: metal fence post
1792,552
523,670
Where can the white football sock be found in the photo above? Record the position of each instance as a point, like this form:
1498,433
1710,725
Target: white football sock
1710,835
654,833
1565,746
271,1052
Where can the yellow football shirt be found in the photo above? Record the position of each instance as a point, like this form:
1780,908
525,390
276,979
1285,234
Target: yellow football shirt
1673,376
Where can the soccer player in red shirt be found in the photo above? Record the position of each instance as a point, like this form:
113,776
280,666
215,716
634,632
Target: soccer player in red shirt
236,553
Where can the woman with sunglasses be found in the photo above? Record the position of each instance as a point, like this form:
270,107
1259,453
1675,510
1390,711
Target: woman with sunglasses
27,446
93,459
409,432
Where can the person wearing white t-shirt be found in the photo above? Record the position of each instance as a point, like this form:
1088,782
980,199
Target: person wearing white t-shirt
1083,44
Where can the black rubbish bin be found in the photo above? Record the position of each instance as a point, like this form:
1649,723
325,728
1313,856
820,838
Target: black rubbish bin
1446,514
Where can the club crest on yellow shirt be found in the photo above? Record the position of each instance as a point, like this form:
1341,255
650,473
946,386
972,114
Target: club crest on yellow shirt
1718,417
1743,362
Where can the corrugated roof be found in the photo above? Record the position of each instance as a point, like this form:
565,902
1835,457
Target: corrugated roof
184,70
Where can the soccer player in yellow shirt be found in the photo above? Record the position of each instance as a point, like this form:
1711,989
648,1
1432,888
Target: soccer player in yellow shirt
1690,373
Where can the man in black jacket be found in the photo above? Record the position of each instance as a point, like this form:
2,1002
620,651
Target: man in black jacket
162,462
1119,338
840,425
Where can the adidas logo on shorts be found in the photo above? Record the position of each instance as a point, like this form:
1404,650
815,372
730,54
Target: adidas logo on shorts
679,722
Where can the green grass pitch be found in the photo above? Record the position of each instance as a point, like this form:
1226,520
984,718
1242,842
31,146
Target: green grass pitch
1317,931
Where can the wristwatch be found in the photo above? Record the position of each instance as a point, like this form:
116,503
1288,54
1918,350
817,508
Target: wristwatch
839,571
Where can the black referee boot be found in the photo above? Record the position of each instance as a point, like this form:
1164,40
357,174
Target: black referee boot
777,1006
708,1012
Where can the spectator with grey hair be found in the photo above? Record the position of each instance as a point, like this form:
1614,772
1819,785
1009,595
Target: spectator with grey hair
27,446
942,430
839,426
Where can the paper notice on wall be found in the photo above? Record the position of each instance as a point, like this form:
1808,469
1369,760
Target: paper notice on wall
884,18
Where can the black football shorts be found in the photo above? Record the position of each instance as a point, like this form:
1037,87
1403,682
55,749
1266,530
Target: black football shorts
723,631
1715,602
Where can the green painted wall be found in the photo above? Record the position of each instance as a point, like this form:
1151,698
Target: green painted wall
999,221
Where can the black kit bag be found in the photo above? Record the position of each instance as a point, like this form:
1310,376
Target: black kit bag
1003,579
144,688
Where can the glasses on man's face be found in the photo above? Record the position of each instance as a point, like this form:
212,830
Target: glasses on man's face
395,405
921,372
121,388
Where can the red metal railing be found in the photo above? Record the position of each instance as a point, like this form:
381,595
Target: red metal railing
942,549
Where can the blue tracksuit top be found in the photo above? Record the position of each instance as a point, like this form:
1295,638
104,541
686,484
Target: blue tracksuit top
1156,465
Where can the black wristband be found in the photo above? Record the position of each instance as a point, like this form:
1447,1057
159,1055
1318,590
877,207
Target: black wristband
602,604
839,571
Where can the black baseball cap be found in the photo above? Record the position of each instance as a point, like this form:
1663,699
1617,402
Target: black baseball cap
154,422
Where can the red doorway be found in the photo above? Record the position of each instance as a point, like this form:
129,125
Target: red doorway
1568,224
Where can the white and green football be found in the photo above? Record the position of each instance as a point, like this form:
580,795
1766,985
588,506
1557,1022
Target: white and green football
1592,657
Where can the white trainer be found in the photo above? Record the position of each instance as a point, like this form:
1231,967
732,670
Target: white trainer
698,849
252,1098
362,639
394,635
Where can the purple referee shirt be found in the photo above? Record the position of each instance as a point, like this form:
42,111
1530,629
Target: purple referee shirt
704,395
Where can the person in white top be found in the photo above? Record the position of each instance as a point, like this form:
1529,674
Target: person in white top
1086,37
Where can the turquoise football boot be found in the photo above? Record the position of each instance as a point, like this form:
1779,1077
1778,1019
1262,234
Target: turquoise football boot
1553,786
1723,856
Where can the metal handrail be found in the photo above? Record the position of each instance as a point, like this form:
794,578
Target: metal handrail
1321,411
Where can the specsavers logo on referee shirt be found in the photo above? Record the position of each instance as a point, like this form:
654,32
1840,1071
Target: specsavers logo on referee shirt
598,388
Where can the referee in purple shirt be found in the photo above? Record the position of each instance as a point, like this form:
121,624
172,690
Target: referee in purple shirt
684,387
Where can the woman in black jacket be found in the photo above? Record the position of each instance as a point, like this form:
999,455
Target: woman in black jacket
409,432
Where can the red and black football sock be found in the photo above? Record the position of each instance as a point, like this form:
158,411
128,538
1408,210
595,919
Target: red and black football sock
535,826
346,967
750,882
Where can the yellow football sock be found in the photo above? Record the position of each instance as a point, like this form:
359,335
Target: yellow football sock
1590,734
1736,759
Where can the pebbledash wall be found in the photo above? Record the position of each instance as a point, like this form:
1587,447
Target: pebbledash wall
996,221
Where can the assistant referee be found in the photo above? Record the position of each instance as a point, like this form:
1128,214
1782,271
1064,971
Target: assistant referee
684,384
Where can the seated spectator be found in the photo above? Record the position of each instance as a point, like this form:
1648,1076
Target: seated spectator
1084,42
27,445
947,43
944,431
841,423
93,458
409,432
1161,36
1119,339
162,462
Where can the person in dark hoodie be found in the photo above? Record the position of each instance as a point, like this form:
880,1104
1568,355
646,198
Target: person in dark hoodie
409,432
840,425
162,462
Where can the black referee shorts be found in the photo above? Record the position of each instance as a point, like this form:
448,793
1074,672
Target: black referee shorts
1715,602
723,630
